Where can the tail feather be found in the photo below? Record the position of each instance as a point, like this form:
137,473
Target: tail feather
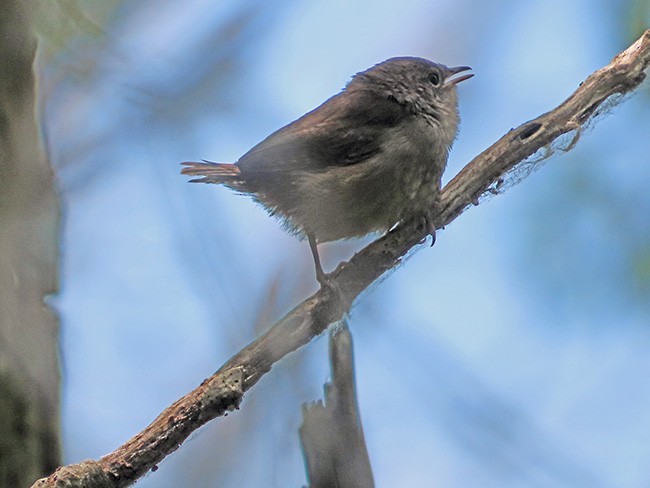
209,172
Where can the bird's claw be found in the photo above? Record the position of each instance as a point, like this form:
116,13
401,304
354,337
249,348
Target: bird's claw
324,279
427,224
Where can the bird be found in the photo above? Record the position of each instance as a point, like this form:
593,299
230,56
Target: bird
365,160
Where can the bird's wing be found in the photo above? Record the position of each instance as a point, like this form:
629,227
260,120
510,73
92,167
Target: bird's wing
347,129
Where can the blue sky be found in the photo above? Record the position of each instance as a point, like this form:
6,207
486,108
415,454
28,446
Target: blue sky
513,353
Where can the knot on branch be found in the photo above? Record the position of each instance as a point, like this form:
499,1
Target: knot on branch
81,475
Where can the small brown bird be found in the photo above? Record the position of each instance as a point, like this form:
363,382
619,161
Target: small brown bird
367,159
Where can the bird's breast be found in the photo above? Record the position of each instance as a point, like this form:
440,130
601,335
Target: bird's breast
375,194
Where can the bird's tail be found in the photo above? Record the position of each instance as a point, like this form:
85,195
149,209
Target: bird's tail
208,172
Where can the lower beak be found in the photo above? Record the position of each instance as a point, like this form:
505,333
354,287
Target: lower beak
453,71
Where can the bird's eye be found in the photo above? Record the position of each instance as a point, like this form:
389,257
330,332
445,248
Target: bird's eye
434,78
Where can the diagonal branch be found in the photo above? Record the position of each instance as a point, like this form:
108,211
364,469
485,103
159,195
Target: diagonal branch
225,389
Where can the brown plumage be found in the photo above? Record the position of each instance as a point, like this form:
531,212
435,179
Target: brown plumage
366,159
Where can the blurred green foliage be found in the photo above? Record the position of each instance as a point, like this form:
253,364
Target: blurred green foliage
59,22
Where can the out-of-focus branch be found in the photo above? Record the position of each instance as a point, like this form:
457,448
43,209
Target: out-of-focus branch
331,433
29,263
224,390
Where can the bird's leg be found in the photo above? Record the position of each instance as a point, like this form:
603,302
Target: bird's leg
321,276
327,284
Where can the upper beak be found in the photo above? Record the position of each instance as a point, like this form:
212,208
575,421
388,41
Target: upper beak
458,69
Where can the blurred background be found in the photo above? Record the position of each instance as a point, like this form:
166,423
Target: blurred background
512,354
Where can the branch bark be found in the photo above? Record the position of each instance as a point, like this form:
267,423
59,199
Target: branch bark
224,390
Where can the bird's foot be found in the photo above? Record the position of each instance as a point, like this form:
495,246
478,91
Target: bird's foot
427,225
337,306
328,284
324,279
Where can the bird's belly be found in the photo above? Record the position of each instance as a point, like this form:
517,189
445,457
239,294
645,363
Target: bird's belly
348,203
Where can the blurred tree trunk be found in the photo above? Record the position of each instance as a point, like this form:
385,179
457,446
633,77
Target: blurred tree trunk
29,229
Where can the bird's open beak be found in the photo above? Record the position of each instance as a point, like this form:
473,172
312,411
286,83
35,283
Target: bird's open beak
454,71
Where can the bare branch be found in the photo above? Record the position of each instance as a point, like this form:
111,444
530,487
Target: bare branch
331,433
224,390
